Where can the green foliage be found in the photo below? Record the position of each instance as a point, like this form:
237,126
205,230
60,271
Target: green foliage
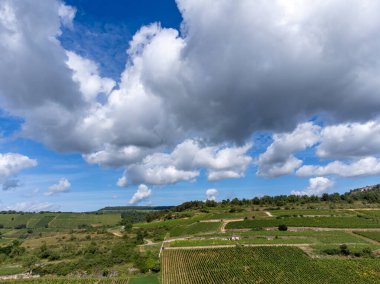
133,216
30,262
345,251
150,279
140,235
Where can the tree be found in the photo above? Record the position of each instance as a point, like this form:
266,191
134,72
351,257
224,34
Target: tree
140,237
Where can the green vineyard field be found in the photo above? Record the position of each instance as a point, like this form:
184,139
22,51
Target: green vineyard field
326,222
265,265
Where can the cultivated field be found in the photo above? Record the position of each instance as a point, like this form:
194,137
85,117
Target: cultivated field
262,265
57,220
323,222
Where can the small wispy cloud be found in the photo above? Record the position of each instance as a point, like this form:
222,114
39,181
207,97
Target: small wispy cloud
63,185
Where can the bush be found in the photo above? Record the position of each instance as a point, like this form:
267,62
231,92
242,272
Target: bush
282,227
344,249
332,251
20,226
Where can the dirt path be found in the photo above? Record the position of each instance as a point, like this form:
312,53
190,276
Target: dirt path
268,213
300,229
361,209
226,221
149,242
210,221
19,276
115,233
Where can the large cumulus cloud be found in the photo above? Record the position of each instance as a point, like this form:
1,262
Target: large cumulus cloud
236,67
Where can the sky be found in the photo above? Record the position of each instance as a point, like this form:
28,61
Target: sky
161,102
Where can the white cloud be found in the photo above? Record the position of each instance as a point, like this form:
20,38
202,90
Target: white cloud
158,174
185,161
142,193
363,167
278,159
67,14
63,185
350,140
12,164
317,186
122,181
86,73
117,156
30,206
211,194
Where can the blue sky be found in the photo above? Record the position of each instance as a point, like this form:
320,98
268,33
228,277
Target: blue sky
155,102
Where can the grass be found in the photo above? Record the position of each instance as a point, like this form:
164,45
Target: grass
168,223
371,235
10,269
150,279
372,213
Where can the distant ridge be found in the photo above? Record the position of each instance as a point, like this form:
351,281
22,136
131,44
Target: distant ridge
128,208
367,190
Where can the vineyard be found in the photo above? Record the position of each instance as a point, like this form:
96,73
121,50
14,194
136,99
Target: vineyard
195,228
57,220
326,222
262,265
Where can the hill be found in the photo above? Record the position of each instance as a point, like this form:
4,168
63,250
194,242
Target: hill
333,237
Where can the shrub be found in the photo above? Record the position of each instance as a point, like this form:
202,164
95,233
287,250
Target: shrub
282,227
344,249
20,226
332,251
